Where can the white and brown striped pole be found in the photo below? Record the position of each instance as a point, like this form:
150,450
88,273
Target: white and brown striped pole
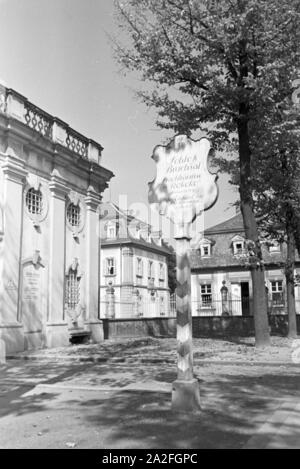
182,189
185,391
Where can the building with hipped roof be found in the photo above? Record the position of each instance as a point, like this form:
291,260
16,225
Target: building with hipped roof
134,264
221,279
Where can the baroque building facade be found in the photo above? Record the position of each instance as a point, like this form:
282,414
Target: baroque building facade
221,281
134,268
51,181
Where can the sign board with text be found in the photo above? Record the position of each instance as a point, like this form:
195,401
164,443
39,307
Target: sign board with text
183,186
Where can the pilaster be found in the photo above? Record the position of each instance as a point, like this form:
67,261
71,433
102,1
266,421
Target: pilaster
92,201
57,328
11,331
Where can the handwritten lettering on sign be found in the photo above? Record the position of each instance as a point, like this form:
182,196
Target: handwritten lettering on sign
183,186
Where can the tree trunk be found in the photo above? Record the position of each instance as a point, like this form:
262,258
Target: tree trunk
289,275
261,324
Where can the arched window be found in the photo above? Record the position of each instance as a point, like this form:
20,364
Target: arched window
34,201
72,289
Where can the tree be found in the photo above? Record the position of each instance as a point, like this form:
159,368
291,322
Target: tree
277,194
214,65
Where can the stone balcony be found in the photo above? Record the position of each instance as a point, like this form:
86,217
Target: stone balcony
16,106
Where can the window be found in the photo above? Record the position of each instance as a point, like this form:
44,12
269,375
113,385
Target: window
206,296
34,201
238,247
277,292
150,269
72,289
161,275
110,266
111,230
205,250
73,214
139,267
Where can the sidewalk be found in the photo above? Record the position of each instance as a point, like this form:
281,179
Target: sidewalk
124,402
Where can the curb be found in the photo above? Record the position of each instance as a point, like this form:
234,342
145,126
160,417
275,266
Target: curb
130,360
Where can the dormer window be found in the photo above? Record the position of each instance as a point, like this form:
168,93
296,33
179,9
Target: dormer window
111,230
238,244
275,247
238,248
205,250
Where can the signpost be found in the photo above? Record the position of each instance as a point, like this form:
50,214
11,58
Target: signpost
182,190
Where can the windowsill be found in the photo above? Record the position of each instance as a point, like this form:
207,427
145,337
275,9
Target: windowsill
110,275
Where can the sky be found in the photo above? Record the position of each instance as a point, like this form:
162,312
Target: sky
58,54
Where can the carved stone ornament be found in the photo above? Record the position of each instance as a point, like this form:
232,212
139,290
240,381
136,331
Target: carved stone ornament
35,259
74,198
183,186
74,314
74,266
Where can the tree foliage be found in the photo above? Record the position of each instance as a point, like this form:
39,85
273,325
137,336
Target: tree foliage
225,67
216,54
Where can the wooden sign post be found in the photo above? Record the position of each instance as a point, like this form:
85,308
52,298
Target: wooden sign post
182,190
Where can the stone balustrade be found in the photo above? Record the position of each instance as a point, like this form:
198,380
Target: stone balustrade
14,105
